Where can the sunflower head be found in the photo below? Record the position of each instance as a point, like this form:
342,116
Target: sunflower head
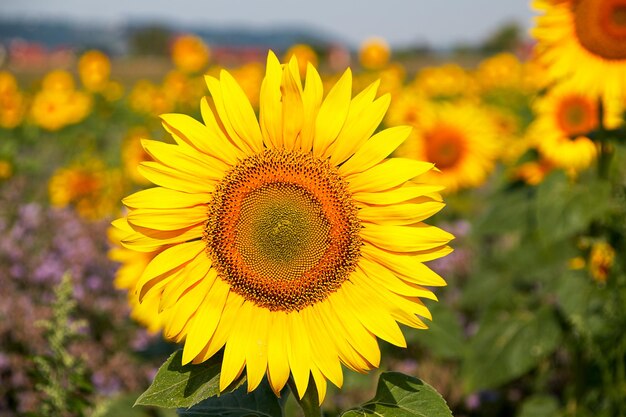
290,242
584,41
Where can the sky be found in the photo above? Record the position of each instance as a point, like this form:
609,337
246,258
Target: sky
400,22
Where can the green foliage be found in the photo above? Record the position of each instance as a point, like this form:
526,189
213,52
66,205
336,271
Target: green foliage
509,345
61,376
400,395
176,385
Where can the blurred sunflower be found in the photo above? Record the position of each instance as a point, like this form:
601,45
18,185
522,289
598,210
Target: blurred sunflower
374,53
584,41
190,53
273,236
601,259
94,68
460,139
565,118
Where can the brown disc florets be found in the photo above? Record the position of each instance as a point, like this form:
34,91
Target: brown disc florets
283,230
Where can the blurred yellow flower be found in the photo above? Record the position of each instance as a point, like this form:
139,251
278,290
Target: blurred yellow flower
55,109
374,53
576,263
8,83
133,154
58,80
304,53
94,68
88,186
448,81
584,41
6,169
145,97
565,118
533,172
12,109
190,53
601,260
499,71
460,139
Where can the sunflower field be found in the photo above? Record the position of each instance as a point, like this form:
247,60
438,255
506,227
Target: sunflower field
319,231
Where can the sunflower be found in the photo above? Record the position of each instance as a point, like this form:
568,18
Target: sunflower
291,242
584,41
565,117
460,139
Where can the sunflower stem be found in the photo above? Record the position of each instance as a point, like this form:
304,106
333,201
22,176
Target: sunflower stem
606,150
309,401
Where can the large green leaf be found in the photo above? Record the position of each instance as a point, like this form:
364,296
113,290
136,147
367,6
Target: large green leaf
176,386
401,395
259,403
509,345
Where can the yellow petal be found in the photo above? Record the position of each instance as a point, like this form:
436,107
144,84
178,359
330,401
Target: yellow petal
400,214
228,321
377,148
257,344
383,277
174,179
408,266
387,174
402,309
311,101
235,351
167,262
412,238
323,350
358,349
359,128
240,112
298,352
373,316
150,240
320,382
168,219
332,114
405,192
196,270
270,108
292,109
277,359
206,318
184,160
187,308
163,198
208,139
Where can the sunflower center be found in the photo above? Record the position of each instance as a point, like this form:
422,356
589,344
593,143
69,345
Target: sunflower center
576,116
444,146
283,230
600,26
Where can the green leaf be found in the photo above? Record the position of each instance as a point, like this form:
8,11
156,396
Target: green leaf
509,345
259,403
401,395
564,208
539,406
508,211
177,386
